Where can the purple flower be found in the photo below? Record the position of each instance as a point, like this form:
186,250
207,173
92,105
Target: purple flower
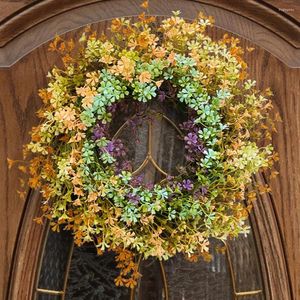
187,184
99,131
115,148
112,108
191,139
126,166
149,185
161,96
193,144
202,191
137,181
135,199
169,177
110,147
123,166
189,126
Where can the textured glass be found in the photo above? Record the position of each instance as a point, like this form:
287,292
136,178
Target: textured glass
245,263
150,286
55,260
91,276
42,296
168,146
152,136
136,143
252,297
200,280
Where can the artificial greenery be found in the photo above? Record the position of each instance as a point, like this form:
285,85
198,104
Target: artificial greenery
75,159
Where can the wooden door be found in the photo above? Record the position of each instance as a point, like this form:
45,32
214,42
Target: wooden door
25,61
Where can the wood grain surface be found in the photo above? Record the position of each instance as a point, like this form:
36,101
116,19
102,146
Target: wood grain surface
18,102
21,34
269,16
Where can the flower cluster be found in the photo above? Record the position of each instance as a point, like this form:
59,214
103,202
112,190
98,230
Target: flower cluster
83,173
193,141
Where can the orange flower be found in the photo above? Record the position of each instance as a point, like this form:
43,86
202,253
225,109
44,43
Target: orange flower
159,52
92,78
146,39
145,4
45,95
116,25
146,19
77,202
107,59
145,77
10,163
159,83
53,46
171,57
22,169
78,191
124,67
34,182
87,93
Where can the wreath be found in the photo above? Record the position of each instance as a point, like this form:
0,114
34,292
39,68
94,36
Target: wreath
78,165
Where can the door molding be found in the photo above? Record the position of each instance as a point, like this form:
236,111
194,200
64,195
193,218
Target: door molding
39,22
263,24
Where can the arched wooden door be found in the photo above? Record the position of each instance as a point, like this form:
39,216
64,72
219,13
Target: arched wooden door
25,61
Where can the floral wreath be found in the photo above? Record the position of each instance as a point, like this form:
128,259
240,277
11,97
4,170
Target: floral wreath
76,163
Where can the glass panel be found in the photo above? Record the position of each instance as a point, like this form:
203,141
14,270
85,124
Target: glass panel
245,263
150,286
200,280
91,277
168,147
42,296
134,137
55,260
155,125
252,297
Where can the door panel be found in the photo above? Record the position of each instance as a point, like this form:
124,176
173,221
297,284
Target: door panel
232,271
275,217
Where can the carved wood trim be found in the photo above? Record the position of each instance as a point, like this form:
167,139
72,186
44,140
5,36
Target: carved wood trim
271,250
262,13
27,251
25,30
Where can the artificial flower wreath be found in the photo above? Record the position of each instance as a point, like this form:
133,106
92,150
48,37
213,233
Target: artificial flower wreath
76,160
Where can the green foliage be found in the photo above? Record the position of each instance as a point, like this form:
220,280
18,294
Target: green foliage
79,184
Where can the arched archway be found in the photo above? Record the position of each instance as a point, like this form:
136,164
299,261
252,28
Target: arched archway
24,63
